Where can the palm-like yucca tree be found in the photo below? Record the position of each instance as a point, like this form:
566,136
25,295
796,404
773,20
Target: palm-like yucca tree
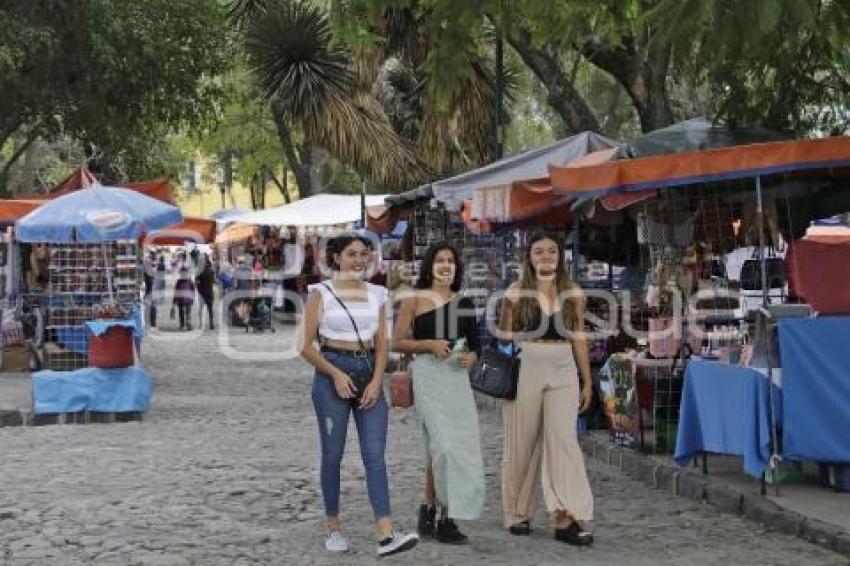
315,87
240,11
450,137
370,109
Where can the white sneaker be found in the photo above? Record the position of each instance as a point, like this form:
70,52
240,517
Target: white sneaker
397,543
335,542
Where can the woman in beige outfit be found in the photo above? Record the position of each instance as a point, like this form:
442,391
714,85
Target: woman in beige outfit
543,312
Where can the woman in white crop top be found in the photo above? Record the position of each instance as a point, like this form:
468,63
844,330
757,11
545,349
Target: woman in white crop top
347,315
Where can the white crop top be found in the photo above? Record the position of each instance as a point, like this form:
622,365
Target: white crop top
335,324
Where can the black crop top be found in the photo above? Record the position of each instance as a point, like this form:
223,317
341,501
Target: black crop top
465,325
550,327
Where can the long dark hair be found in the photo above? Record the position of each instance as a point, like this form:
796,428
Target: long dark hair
426,271
526,313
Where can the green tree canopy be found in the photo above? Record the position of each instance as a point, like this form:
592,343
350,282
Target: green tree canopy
780,63
116,74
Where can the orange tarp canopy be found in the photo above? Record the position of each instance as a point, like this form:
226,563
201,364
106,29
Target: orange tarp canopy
736,162
529,198
554,215
13,209
235,233
200,230
516,202
382,219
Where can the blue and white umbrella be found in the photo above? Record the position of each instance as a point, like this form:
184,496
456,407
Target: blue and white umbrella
96,214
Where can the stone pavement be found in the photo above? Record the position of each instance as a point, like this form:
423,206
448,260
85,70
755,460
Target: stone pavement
223,470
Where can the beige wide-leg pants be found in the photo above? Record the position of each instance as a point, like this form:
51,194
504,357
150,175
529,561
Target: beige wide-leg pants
540,432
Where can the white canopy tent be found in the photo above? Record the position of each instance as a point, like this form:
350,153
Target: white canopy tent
318,210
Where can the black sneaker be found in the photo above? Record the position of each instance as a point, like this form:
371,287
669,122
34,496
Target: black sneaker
427,520
448,533
397,543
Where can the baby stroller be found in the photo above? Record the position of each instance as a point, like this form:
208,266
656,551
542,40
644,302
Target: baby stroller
261,315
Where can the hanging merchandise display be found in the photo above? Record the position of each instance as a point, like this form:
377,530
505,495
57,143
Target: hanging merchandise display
87,282
655,231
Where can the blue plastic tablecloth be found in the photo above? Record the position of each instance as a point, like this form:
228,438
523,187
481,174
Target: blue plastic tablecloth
92,389
100,327
725,410
816,383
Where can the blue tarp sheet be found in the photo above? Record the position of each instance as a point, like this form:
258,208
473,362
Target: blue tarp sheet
725,410
92,389
100,327
816,384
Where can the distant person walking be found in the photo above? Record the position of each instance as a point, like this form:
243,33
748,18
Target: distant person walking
206,288
158,290
184,298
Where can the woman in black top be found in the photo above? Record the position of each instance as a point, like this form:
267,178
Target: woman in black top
445,341
544,312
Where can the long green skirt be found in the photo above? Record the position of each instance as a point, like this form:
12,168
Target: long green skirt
444,401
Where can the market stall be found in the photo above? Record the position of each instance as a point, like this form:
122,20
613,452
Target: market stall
715,225
487,212
90,298
275,252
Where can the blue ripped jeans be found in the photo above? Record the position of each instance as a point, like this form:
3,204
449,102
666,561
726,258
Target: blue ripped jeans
332,413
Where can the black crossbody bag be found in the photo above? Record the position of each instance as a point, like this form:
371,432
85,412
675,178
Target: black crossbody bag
495,374
360,380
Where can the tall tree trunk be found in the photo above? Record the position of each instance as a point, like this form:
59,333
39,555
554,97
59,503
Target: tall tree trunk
642,72
16,155
300,168
562,94
316,159
282,187
8,126
252,190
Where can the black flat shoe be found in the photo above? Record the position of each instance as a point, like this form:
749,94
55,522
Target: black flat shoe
427,521
573,534
520,529
448,533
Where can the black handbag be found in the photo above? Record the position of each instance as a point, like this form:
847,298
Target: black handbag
360,380
496,374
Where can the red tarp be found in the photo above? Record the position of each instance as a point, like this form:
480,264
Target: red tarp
81,178
815,268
